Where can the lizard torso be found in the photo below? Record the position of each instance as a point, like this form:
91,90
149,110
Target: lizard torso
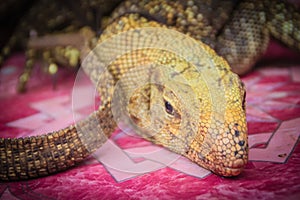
190,100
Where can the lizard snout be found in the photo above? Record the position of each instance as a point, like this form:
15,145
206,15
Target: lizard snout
223,152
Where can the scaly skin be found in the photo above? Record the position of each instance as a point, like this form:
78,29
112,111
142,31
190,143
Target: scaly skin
193,104
239,32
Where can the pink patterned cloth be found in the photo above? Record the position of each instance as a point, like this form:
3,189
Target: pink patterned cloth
128,167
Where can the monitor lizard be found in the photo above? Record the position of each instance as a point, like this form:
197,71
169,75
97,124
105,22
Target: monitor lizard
191,103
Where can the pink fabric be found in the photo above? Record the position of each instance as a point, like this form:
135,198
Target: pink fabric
128,167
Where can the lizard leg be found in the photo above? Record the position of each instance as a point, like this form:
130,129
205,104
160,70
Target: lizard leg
56,49
5,52
244,39
25,76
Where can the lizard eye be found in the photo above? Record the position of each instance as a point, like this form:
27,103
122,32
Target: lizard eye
244,102
169,108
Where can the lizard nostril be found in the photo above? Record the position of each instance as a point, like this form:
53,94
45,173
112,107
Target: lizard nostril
236,153
241,143
236,133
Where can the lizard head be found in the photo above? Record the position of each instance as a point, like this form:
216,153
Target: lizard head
176,92
192,114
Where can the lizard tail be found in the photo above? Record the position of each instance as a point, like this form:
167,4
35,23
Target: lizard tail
283,22
36,156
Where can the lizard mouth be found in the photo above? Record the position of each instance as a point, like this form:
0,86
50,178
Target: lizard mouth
229,170
235,169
